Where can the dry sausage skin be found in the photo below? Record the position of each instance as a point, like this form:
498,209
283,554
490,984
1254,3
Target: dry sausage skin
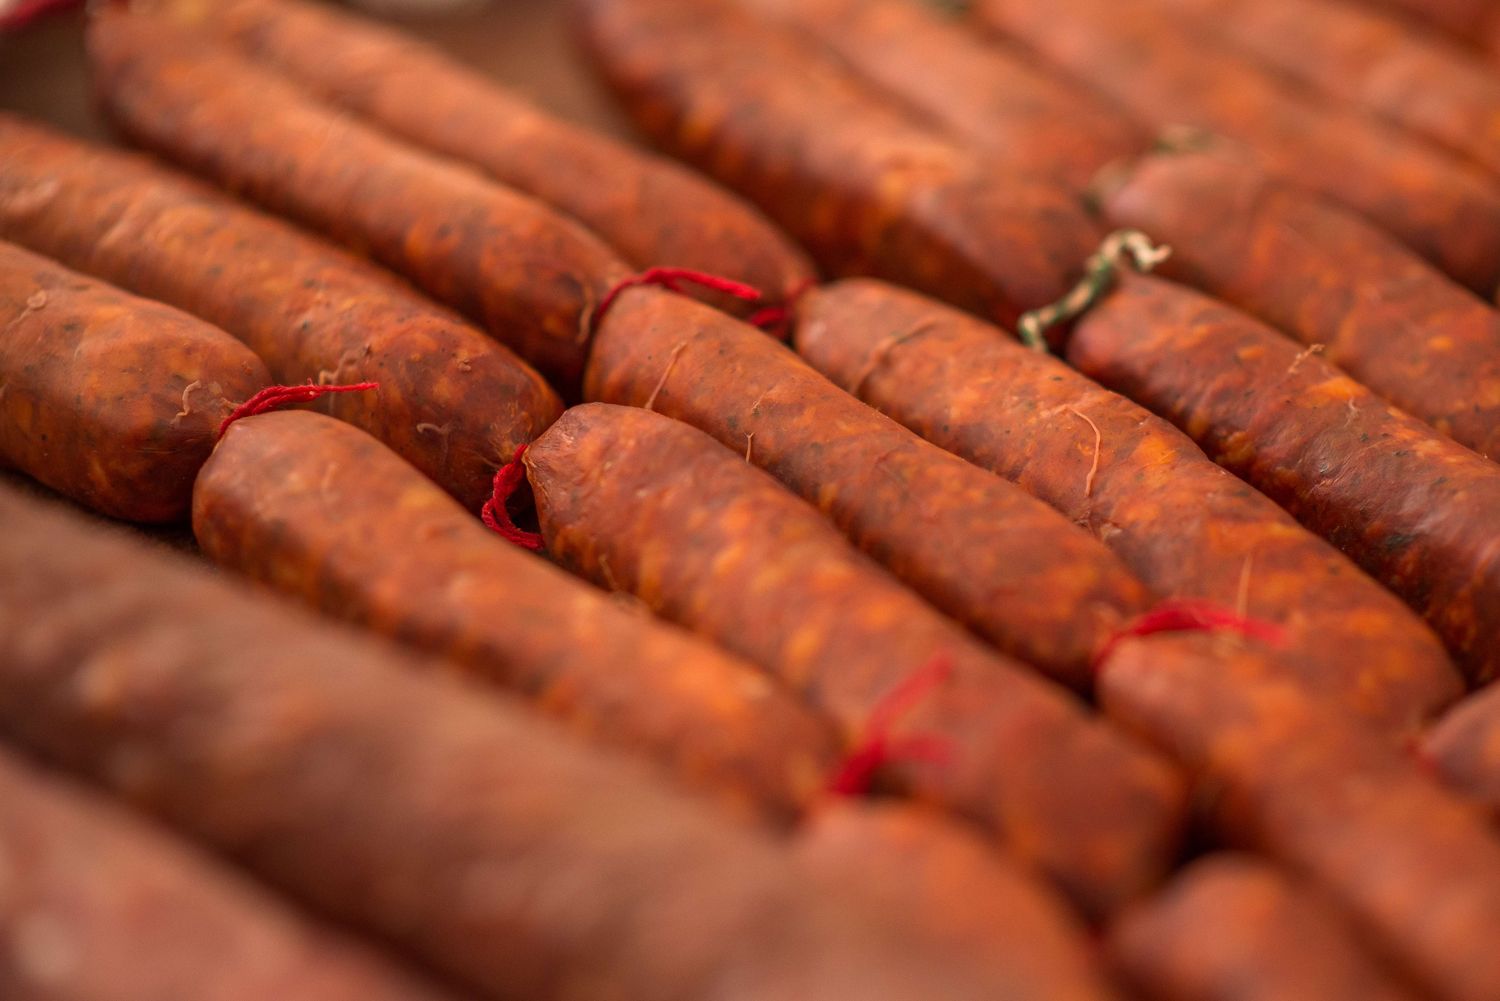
434,814
317,509
990,555
651,210
648,505
1412,507
1183,524
863,186
100,905
1327,277
453,401
110,399
528,274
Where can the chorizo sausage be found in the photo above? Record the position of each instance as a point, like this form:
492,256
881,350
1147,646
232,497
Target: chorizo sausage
985,552
948,882
453,402
1027,119
110,399
529,274
647,505
1278,773
1428,85
1183,524
1461,18
445,820
1231,927
651,210
1167,73
324,512
1410,506
1326,277
1463,748
856,180
100,906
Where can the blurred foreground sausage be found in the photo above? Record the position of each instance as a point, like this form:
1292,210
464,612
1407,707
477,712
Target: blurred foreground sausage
1463,748
452,401
1168,73
1276,772
1414,509
1326,277
651,210
1183,524
644,504
321,511
529,274
99,905
1234,928
863,186
985,552
428,811
110,399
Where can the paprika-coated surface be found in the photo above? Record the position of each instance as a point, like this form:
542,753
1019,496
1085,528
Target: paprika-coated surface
530,275
1326,277
1414,509
452,401
1233,927
948,882
1186,526
647,505
981,550
1027,119
1168,72
1463,748
651,210
101,905
1432,86
856,179
434,813
325,513
107,398
1278,773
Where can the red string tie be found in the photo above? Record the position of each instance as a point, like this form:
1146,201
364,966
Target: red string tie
772,319
1188,616
276,397
855,774
777,320
496,515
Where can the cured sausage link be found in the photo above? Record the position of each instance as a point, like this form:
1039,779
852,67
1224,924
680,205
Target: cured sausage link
1182,523
644,504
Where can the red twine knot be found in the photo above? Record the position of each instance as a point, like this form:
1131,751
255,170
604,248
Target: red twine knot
777,320
496,515
855,774
769,318
1187,615
276,397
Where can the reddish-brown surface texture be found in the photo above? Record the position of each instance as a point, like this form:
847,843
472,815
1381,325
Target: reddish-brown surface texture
857,180
1277,773
1167,72
1432,86
1235,928
107,398
653,507
1326,277
1464,748
99,905
530,274
1414,509
442,818
1458,17
452,401
948,882
983,551
651,210
321,511
1026,118
1186,526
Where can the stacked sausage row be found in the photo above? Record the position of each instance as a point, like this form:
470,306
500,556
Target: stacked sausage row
948,603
